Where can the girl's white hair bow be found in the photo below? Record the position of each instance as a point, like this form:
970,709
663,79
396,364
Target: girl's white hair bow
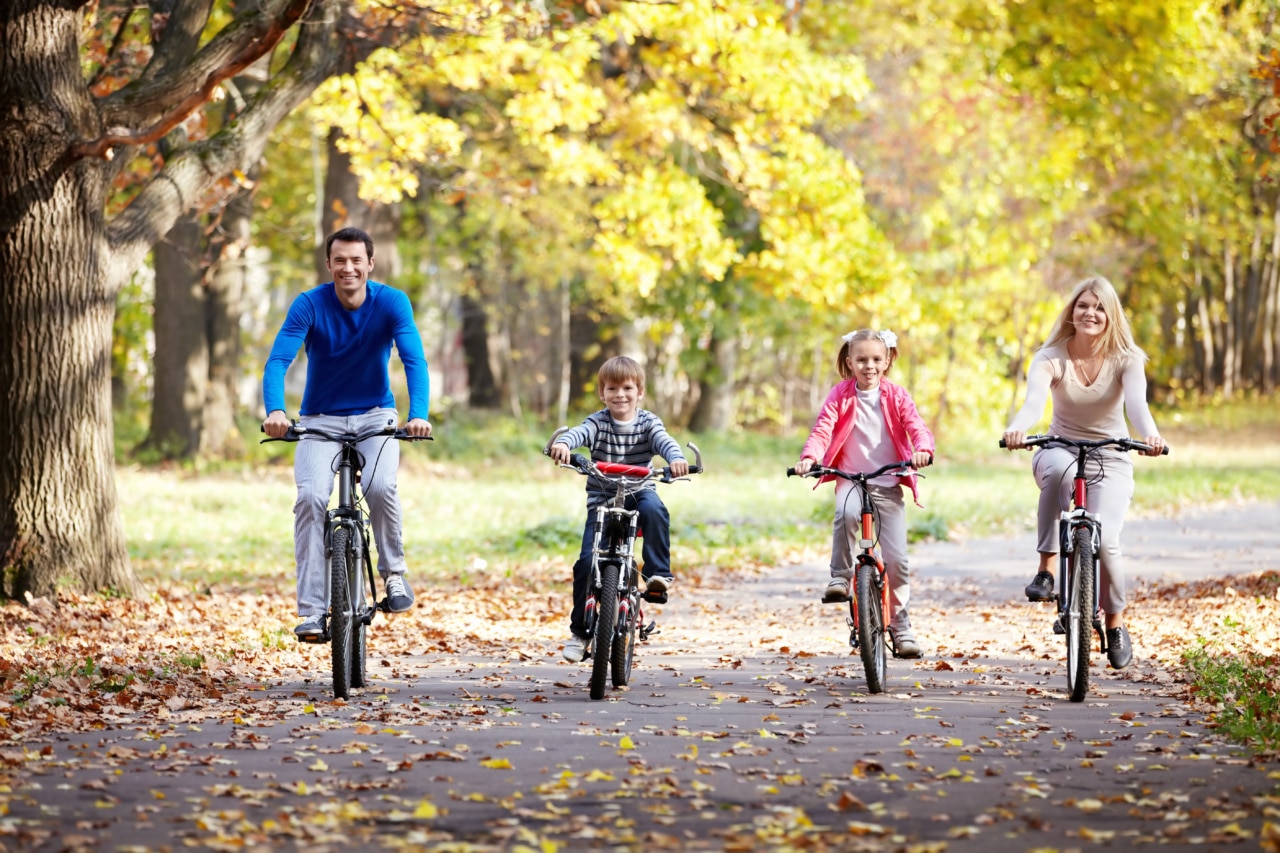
889,338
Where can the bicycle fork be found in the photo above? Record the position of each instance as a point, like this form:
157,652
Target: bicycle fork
1068,524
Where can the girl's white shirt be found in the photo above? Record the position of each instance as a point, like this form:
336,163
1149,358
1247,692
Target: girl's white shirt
869,445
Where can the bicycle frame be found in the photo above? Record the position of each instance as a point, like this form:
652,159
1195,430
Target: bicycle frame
1078,590
613,615
866,621
346,543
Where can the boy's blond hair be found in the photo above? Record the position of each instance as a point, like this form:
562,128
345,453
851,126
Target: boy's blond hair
617,370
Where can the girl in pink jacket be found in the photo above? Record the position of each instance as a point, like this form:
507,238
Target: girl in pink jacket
868,422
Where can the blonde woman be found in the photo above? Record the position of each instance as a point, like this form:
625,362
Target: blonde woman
1094,373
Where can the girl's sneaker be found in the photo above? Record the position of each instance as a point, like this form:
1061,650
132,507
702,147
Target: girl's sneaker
837,591
905,644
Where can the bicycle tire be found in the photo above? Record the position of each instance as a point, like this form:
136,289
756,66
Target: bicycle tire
359,630
624,638
1080,614
871,629
340,628
606,617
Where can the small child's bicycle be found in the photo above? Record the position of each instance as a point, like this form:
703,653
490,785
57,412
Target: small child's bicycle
870,599
1079,537
613,616
352,592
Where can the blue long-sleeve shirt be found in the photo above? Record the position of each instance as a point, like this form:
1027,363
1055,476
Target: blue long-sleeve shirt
348,353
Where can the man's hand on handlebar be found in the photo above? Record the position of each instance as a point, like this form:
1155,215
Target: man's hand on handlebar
418,428
276,424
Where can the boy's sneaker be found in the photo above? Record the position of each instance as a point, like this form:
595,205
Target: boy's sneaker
1040,588
837,591
658,585
310,626
905,644
575,648
399,594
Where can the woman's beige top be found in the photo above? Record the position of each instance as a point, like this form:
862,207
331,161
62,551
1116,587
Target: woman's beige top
1086,411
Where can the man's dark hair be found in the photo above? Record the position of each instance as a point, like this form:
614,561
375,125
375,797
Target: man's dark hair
348,235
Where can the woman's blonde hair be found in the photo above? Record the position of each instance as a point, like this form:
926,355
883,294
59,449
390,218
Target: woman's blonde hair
1117,339
842,359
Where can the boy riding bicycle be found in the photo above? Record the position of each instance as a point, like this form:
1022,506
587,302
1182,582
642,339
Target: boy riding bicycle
623,433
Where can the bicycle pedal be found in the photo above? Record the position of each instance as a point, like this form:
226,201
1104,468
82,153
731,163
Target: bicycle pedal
655,597
315,639
1057,627
649,630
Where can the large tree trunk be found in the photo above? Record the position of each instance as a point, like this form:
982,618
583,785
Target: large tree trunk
714,410
59,520
482,386
181,374
224,306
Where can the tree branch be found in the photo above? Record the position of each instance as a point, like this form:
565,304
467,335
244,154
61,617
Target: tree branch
191,171
170,98
179,37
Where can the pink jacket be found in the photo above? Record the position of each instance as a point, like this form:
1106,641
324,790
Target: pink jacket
835,422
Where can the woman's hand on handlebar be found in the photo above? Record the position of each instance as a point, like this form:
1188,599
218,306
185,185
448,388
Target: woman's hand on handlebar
1014,439
804,466
418,428
1156,443
276,424
560,453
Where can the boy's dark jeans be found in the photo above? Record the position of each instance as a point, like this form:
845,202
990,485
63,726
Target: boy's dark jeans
654,521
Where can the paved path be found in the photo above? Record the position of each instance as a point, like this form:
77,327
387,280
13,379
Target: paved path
747,725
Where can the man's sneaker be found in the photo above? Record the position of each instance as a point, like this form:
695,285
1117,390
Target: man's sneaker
399,595
1040,588
575,648
904,643
310,626
658,585
837,591
1119,647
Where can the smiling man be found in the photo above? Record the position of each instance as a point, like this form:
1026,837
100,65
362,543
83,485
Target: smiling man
347,327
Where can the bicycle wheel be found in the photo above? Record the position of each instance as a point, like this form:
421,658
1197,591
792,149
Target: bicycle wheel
1080,614
624,638
359,637
606,617
870,627
340,627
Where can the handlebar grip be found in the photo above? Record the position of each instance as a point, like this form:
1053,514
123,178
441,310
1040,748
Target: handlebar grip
791,472
1002,442
1164,451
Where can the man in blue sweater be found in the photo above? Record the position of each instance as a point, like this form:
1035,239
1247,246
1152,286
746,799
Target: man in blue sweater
347,327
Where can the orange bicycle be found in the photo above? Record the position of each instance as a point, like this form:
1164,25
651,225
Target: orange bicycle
870,599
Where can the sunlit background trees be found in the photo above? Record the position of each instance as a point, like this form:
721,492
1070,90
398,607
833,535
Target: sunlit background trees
720,187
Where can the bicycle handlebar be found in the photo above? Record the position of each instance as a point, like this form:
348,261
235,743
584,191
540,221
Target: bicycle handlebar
296,432
1123,443
898,469
612,471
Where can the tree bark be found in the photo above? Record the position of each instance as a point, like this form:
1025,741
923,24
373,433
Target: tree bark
181,371
482,387
59,519
714,410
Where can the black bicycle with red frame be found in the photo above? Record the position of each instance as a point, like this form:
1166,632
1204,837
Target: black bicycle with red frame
613,615
869,601
1079,538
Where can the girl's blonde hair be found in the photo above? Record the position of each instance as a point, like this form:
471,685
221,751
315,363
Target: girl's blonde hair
884,338
1117,339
